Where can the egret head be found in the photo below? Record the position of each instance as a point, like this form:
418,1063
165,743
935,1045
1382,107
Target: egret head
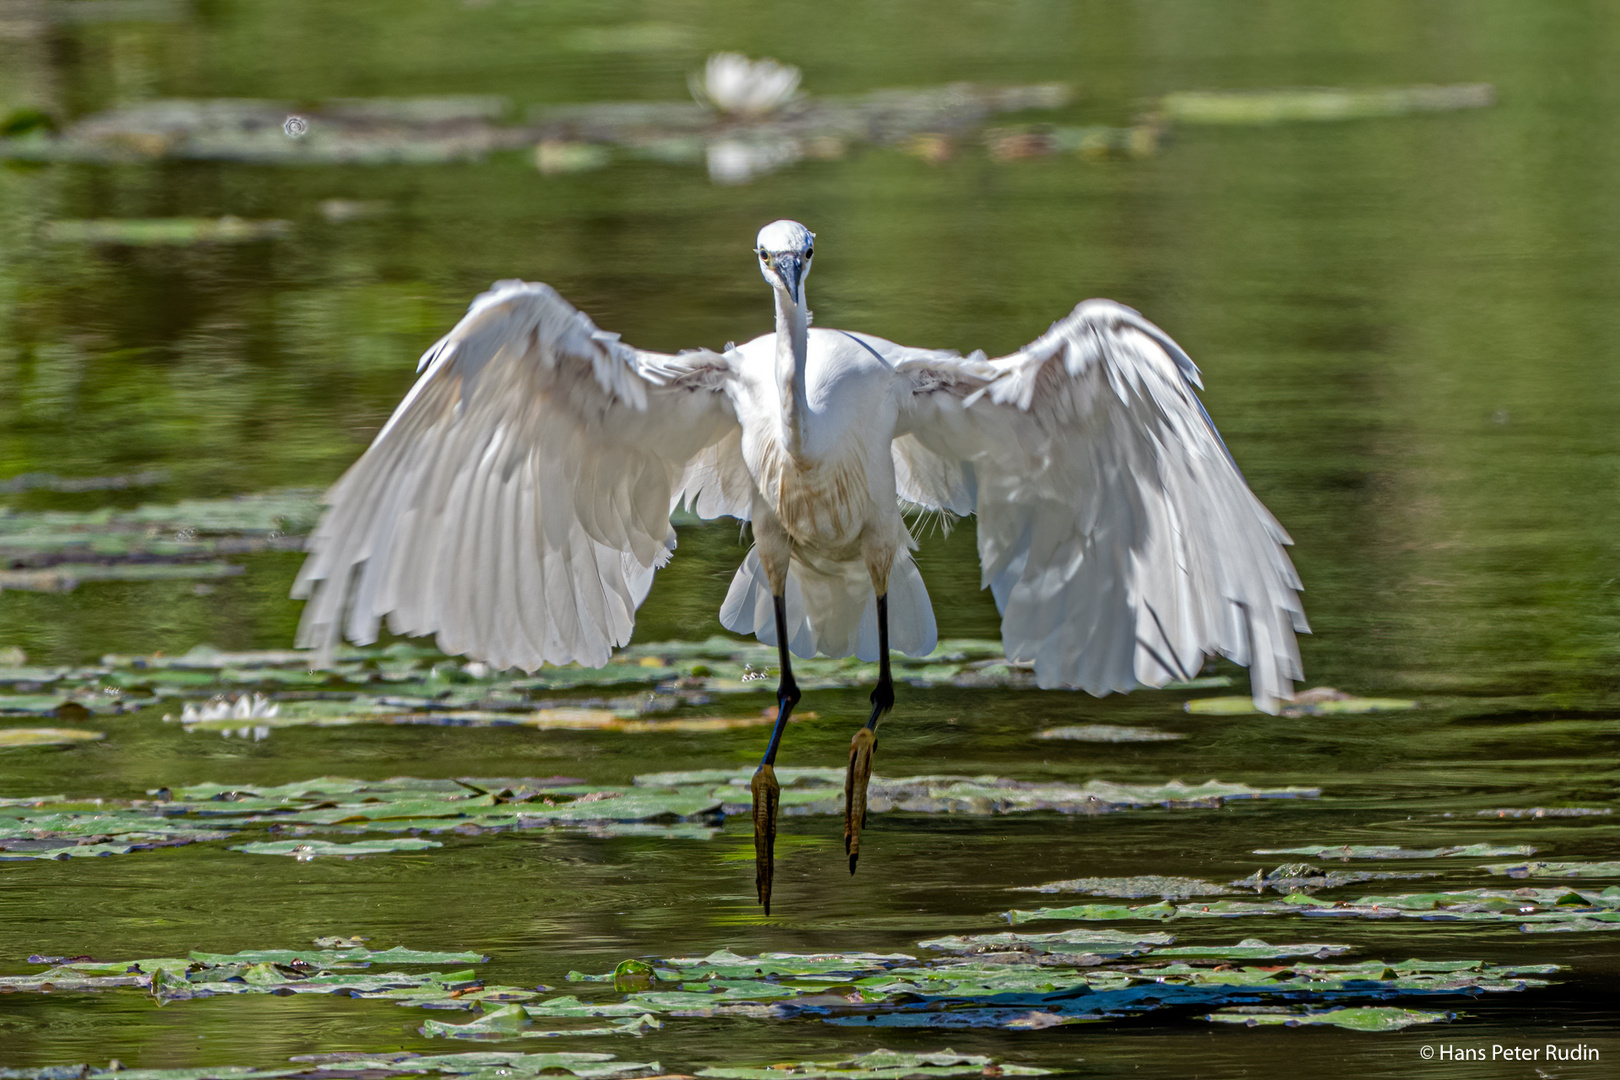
784,249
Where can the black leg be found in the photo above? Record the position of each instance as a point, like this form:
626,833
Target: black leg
766,791
864,744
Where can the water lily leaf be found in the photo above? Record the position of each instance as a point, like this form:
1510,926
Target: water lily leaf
277,972
1609,868
1381,851
165,231
1008,982
63,978
1587,925
821,792
1305,879
1355,1018
633,805
1304,704
502,1023
122,845
52,830
1095,912
512,1022
376,1065
1108,733
1547,812
1251,949
62,704
787,776
568,1005
605,720
878,1065
486,1064
328,958
65,577
304,850
1013,991
1472,905
15,737
1319,103
667,806
431,130
1112,943
1168,888
956,1019
402,683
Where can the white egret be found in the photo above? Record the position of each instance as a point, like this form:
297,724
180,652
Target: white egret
518,502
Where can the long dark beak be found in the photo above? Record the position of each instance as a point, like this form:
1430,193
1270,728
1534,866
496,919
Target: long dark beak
790,267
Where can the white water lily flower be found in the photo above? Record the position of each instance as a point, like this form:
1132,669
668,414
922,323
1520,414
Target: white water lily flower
734,84
256,707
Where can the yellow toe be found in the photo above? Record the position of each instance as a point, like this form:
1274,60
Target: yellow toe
767,796
861,749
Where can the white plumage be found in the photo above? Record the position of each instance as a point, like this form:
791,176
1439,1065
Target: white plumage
517,503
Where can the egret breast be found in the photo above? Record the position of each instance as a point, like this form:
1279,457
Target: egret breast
823,504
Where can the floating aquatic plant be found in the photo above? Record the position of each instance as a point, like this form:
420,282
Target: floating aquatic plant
1354,1018
1531,908
732,83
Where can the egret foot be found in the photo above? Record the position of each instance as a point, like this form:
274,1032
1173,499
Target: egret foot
861,749
767,795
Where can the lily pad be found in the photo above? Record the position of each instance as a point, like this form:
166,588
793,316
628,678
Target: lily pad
1302,878
276,972
358,955
512,1022
1275,106
1321,701
305,850
1168,888
1020,982
1251,949
32,481
515,1066
1108,733
1355,1018
146,232
1110,943
878,1065
1008,982
1379,851
1574,909
55,829
1604,869
1548,812
820,791
15,737
650,689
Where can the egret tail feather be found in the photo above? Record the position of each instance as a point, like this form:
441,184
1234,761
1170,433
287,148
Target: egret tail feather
845,620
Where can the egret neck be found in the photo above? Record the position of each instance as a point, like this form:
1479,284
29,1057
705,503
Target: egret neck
792,353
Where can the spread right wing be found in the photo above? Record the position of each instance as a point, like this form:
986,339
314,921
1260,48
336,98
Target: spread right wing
517,502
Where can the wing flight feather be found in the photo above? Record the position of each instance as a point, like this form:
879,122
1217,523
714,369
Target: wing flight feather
517,502
1116,533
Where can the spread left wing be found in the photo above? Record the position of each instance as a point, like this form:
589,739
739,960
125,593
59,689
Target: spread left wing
1120,540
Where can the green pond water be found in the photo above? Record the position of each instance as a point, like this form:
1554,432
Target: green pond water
1408,329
